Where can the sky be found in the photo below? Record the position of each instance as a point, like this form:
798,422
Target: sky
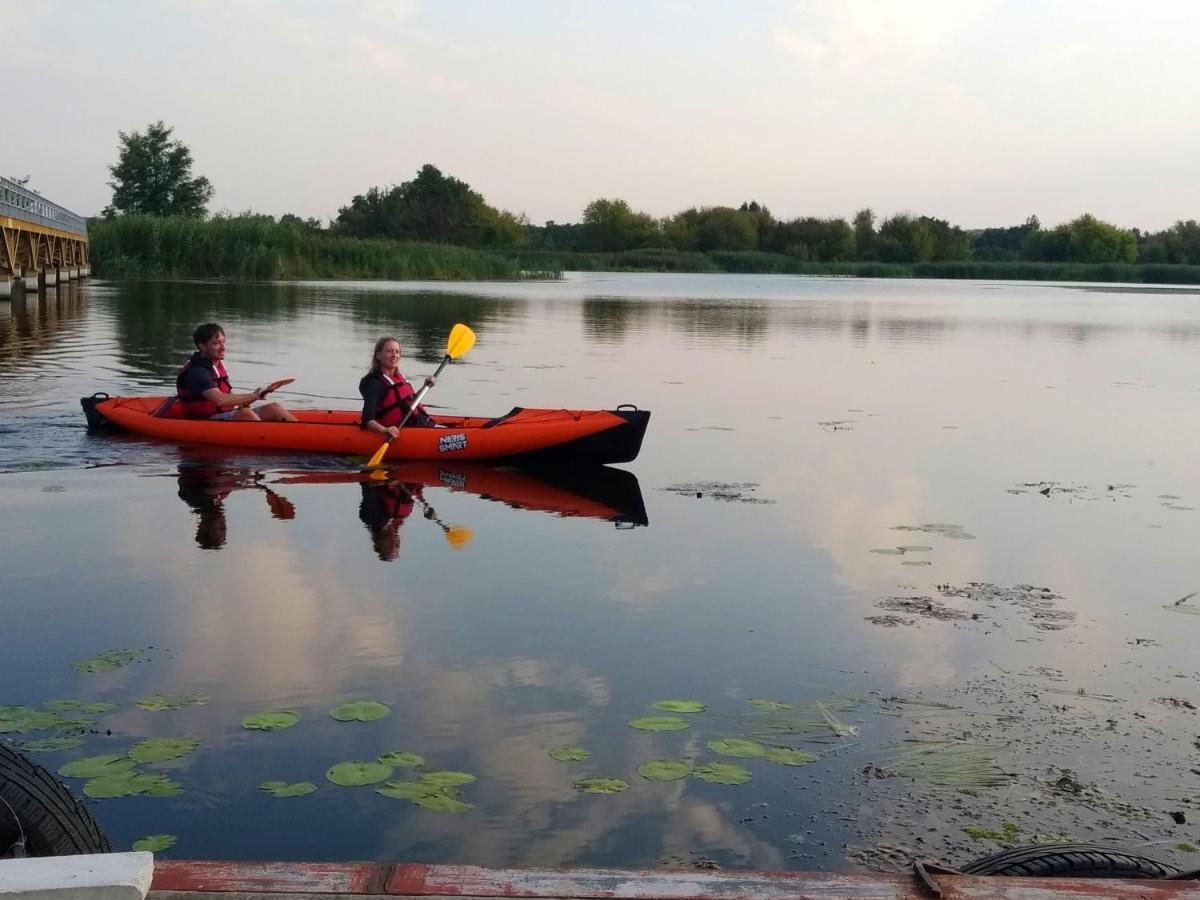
982,112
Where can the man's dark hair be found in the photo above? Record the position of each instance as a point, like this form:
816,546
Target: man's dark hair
206,333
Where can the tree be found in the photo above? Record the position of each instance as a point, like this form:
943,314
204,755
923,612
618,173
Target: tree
1086,240
153,175
610,226
864,233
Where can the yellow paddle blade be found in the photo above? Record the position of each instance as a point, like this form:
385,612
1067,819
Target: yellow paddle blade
379,475
457,536
378,457
460,341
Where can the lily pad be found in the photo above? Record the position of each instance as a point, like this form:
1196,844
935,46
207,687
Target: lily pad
602,785
770,705
660,723
162,702
664,769
681,706
569,754
888,551
722,773
22,719
129,784
410,790
108,661
402,758
276,720
443,803
788,756
737,747
360,711
283,789
52,744
448,779
98,766
155,843
162,749
83,706
356,774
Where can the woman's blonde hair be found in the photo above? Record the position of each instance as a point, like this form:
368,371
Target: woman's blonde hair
379,345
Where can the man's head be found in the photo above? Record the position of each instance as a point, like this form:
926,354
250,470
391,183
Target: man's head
209,339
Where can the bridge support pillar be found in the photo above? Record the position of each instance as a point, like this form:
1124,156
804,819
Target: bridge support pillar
5,286
48,278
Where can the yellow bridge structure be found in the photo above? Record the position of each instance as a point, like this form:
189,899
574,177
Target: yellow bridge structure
43,244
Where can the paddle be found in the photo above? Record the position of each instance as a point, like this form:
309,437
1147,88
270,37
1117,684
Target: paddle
276,385
456,535
460,341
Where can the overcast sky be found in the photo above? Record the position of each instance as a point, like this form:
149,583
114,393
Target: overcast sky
978,111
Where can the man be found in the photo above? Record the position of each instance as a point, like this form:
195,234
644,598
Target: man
204,391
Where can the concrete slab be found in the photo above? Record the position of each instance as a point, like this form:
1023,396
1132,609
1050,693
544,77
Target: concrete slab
108,876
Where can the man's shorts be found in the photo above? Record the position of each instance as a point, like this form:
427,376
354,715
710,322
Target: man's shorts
230,413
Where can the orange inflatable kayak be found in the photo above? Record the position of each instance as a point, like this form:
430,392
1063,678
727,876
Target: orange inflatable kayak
528,435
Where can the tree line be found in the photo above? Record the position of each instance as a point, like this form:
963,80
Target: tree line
153,176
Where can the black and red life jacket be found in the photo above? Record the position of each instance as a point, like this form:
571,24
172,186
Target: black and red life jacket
191,405
397,400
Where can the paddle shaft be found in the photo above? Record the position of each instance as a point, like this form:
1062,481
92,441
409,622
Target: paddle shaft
416,401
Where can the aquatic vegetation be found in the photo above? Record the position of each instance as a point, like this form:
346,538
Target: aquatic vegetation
356,774
665,769
660,723
447,779
409,790
53,744
283,789
681,706
770,705
953,532
722,773
129,784
789,756
162,702
84,706
276,720
435,795
1006,834
155,843
569,754
737,747
602,785
402,758
108,661
23,719
951,763
360,711
98,766
162,749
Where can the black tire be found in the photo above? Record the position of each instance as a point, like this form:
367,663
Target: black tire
37,805
1069,861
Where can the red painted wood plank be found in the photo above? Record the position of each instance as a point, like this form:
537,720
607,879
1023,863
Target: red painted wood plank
270,877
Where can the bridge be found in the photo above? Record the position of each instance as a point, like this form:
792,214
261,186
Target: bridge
43,244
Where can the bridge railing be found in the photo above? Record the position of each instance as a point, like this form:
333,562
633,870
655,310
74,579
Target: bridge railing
21,203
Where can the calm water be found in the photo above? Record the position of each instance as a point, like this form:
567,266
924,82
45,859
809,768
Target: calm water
1048,432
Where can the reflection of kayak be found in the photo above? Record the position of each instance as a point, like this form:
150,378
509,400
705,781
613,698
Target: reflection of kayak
596,492
531,435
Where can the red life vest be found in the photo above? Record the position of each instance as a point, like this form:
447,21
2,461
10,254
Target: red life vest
396,403
191,405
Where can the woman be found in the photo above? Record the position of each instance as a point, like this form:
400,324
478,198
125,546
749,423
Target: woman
387,397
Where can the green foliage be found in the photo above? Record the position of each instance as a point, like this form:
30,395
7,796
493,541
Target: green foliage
153,176
611,226
258,247
1084,240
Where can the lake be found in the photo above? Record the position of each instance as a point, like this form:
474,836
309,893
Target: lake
923,553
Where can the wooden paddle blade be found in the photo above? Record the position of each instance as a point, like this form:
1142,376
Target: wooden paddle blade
378,457
460,341
276,385
457,536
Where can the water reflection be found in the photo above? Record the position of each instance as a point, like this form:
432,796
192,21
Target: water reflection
36,324
204,489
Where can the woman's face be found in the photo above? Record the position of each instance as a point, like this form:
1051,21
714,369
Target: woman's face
389,356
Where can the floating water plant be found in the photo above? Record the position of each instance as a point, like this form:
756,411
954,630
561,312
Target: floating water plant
356,774
409,790
427,794
722,773
162,749
442,803
163,702
448,779
841,729
737,747
602,785
129,784
665,769
108,661
84,706
52,744
569,754
98,766
155,843
276,720
360,711
660,723
959,764
681,706
23,719
283,789
402,758
769,705
788,756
